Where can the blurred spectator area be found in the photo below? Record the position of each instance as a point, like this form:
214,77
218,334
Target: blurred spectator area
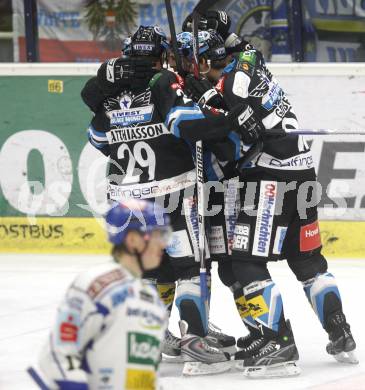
6,31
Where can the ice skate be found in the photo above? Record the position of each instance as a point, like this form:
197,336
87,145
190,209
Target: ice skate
221,340
277,358
251,342
171,348
201,358
342,345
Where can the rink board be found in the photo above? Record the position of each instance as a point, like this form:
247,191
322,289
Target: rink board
87,236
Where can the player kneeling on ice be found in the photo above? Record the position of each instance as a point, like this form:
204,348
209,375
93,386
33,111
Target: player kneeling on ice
279,219
110,324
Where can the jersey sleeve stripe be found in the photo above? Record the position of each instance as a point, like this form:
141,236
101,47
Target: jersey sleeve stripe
179,114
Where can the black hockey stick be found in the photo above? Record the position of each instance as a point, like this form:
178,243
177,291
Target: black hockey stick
199,165
170,18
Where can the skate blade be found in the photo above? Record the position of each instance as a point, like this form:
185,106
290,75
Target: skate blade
231,350
279,370
172,358
200,368
347,357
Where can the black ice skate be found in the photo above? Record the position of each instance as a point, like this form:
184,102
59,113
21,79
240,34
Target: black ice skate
342,345
250,343
277,357
201,358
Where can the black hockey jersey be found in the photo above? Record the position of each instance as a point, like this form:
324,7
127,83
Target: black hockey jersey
148,133
247,79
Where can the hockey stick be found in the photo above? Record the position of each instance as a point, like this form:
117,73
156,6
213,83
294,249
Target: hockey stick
276,132
170,18
199,167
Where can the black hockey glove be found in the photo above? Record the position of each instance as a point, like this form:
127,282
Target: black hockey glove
196,88
235,44
118,73
216,20
203,92
246,124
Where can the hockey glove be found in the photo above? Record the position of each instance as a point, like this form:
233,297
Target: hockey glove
235,44
246,124
215,20
119,73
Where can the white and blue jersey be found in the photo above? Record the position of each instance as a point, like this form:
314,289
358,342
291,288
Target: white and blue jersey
107,334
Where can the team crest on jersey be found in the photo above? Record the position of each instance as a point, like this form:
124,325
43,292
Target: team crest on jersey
129,109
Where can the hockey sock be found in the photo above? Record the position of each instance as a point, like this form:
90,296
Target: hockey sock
191,307
166,292
323,295
265,304
242,307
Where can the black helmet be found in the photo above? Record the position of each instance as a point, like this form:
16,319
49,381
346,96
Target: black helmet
146,41
211,45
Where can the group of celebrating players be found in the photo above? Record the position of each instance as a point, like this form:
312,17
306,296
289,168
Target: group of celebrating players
261,207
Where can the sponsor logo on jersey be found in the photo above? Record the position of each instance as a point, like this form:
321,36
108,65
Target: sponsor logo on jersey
143,349
298,162
140,379
136,133
310,237
231,209
105,375
248,56
128,116
149,320
100,283
272,96
69,324
120,296
217,245
145,296
265,217
241,239
279,239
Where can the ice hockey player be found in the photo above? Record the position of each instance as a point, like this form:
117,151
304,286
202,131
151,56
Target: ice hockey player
225,195
146,129
278,220
110,324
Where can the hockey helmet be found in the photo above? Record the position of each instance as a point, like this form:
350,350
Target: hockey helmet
139,215
211,45
148,41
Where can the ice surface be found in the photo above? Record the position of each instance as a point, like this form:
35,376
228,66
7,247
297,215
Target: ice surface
32,285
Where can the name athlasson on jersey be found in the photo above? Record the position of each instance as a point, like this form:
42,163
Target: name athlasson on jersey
127,134
265,217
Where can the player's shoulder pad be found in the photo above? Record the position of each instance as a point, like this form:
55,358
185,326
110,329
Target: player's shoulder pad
247,61
97,279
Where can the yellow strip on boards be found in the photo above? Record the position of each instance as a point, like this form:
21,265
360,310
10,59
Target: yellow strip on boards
87,236
53,235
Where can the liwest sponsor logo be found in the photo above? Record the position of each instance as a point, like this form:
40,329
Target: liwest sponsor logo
265,216
310,237
143,349
128,116
136,133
